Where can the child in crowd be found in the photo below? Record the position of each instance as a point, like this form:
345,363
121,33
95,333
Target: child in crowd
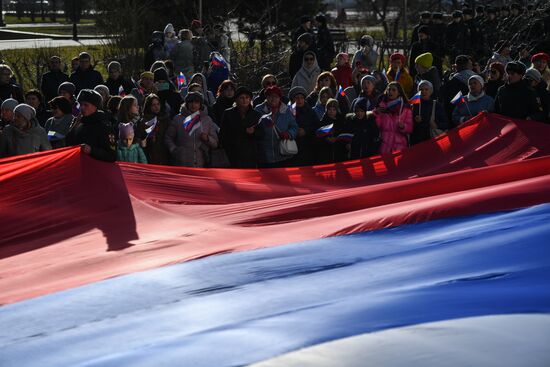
127,150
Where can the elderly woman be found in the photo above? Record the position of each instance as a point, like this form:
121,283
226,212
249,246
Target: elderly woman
428,115
475,102
306,77
24,135
277,123
192,134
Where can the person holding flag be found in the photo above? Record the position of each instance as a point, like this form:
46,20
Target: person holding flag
151,130
308,123
394,118
192,134
363,131
428,114
474,102
399,73
329,148
116,82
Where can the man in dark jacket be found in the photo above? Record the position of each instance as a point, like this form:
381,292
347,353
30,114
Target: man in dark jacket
305,43
308,123
116,81
305,27
457,36
92,129
425,20
424,45
85,77
238,131
458,82
325,44
53,79
438,29
515,98
477,40
534,79
7,88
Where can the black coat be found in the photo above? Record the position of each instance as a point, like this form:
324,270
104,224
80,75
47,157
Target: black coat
306,119
518,101
11,91
240,146
114,85
491,87
330,152
85,79
217,110
51,82
543,96
419,48
95,131
366,136
325,48
421,130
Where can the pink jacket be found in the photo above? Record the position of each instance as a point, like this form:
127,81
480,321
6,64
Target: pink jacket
393,137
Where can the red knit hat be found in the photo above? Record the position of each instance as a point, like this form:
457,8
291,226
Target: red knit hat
398,56
540,55
274,90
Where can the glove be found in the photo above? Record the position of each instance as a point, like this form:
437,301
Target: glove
285,135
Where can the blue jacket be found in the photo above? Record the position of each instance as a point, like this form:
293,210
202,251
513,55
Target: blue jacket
469,109
268,143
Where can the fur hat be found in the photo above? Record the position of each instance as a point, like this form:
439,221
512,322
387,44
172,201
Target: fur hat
25,110
90,96
67,87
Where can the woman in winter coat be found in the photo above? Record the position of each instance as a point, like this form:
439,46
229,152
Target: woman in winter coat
394,118
57,127
495,79
425,118
365,139
239,131
191,135
306,77
329,148
308,123
24,135
342,71
475,102
398,72
325,79
151,130
277,123
225,99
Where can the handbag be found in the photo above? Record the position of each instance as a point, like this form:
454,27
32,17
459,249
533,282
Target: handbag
434,132
286,146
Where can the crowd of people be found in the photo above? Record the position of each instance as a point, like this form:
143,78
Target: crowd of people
334,110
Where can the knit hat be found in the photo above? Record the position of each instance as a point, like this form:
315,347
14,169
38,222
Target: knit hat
426,83
540,55
102,89
160,74
533,74
9,104
498,66
243,90
194,96
90,96
361,103
125,130
295,91
25,110
274,90
478,78
368,78
515,66
398,56
67,87
114,65
147,74
425,60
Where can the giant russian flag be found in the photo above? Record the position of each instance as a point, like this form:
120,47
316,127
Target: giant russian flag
436,255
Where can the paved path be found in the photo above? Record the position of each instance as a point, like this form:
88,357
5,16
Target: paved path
46,42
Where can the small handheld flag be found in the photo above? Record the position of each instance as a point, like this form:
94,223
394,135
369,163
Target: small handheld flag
192,122
151,124
341,91
458,99
182,80
324,131
54,135
415,99
391,106
218,61
121,91
345,138
398,75
293,109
